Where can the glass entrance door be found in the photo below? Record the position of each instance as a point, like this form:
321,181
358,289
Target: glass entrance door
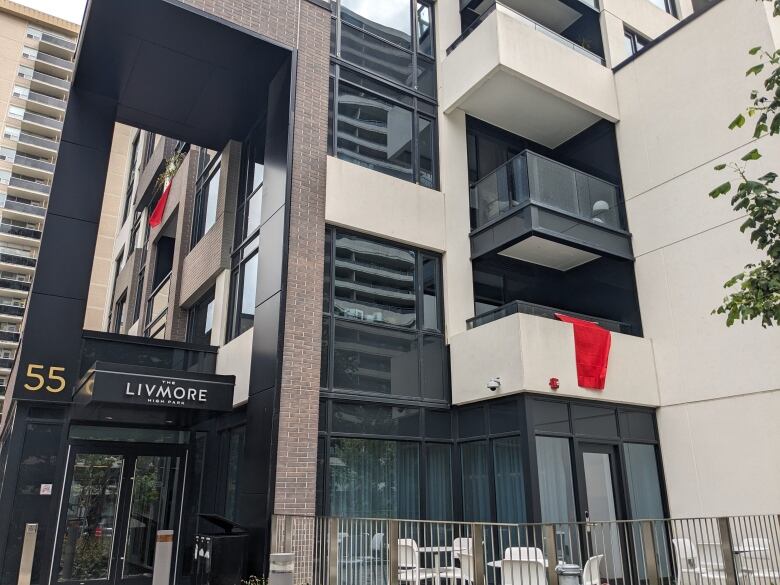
116,501
602,507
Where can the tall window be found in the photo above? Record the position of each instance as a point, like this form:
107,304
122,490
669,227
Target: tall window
666,6
119,314
634,41
201,320
206,195
382,330
243,286
131,177
383,91
251,196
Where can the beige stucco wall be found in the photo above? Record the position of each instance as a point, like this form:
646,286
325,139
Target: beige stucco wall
100,281
718,386
233,360
526,351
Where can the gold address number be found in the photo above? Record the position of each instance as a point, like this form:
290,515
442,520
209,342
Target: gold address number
38,378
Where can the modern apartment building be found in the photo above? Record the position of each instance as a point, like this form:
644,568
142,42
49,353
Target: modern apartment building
36,67
324,275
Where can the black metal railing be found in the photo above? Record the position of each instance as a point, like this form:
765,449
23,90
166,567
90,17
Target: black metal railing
14,230
33,163
17,260
11,310
6,363
533,178
22,207
516,307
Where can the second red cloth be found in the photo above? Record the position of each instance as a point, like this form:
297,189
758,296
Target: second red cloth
591,347
156,217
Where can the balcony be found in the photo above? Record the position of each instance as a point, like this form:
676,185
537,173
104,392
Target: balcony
6,363
59,45
538,210
24,208
30,165
37,144
47,63
46,82
22,232
526,350
9,336
17,260
24,186
514,72
11,310
44,102
36,122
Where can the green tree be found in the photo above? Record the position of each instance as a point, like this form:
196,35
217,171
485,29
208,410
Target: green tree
755,292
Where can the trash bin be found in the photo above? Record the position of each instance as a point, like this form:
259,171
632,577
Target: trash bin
221,548
568,574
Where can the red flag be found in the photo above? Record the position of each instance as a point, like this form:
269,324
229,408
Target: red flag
591,348
156,217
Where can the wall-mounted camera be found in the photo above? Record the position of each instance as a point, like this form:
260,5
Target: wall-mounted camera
494,384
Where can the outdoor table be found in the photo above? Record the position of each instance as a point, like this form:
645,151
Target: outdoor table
497,564
437,550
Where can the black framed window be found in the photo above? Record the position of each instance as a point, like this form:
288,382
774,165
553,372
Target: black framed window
634,41
235,439
206,195
200,320
131,177
383,323
139,293
249,207
383,88
243,287
667,6
119,314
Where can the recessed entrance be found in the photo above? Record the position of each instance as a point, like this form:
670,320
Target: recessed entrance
117,498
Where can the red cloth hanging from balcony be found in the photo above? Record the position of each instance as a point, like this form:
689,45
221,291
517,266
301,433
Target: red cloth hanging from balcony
156,217
591,349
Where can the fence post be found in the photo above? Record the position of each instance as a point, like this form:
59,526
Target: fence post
551,553
274,534
287,543
333,551
727,550
392,552
649,550
478,546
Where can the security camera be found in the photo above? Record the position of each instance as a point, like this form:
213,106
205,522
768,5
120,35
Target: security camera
494,384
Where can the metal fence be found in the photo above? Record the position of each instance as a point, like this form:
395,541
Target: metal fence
741,550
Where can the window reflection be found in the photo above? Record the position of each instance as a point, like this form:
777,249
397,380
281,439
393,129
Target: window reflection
388,19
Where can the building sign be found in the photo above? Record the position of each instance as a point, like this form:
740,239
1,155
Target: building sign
156,388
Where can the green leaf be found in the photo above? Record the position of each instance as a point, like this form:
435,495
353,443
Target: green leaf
754,50
720,167
737,122
720,190
752,155
755,69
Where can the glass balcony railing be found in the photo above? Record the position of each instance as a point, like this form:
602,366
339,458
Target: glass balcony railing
9,336
58,41
22,207
516,307
46,121
6,363
40,98
13,230
11,310
29,185
11,284
40,142
33,163
51,80
56,61
17,260
532,178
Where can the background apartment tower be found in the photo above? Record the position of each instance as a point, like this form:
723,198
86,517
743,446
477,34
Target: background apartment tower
36,66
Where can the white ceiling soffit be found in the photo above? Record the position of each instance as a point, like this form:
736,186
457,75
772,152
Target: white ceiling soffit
544,252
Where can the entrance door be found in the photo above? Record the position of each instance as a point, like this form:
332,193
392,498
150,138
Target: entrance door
116,500
601,503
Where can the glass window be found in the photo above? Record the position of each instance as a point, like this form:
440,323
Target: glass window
235,453
644,483
424,29
634,42
666,6
245,287
369,419
556,485
439,482
504,417
434,362
637,425
510,483
369,52
430,286
438,424
119,315
594,421
201,320
551,417
130,189
374,479
372,359
206,200
476,481
374,281
388,19
374,132
425,142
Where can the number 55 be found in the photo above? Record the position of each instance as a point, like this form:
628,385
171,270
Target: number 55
40,380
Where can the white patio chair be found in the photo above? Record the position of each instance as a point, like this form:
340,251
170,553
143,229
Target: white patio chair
464,572
525,572
690,569
378,544
409,569
758,560
524,553
591,575
460,545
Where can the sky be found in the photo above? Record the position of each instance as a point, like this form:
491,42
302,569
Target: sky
72,10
